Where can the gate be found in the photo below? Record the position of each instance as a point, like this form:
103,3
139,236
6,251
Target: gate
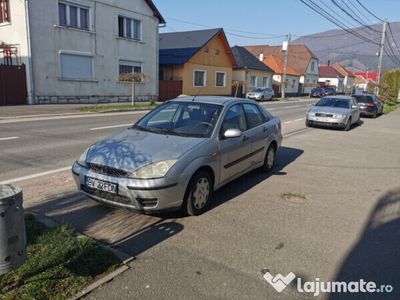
169,89
13,89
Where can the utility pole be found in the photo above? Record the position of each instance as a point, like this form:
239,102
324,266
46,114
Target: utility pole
380,61
285,48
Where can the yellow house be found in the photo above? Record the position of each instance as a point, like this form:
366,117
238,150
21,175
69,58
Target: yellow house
195,63
250,73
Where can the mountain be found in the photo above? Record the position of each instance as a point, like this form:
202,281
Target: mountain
339,46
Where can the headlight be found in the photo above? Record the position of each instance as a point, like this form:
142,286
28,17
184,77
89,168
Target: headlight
155,170
339,116
82,159
311,114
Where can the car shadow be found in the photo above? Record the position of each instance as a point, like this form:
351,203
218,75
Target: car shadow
376,256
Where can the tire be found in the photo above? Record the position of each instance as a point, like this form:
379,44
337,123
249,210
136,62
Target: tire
199,193
269,160
375,114
308,123
348,125
262,98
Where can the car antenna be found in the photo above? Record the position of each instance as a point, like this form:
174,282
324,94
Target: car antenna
198,92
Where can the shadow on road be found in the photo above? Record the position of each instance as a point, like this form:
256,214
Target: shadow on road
376,256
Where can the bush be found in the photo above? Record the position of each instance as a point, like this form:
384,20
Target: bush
390,86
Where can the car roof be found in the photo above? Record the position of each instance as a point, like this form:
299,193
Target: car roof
209,99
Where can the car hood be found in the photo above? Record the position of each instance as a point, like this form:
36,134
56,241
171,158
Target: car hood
328,109
132,149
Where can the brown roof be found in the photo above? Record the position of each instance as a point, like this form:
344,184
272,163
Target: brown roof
359,79
156,12
276,64
328,71
342,70
298,56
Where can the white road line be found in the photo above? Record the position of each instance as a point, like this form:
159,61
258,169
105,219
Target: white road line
35,175
9,138
113,126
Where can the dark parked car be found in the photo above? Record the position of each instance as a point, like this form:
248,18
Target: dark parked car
329,91
317,92
369,105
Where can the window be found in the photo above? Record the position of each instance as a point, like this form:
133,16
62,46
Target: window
4,11
129,28
220,79
199,78
234,119
253,80
126,66
293,83
216,51
73,16
313,66
253,116
76,66
265,81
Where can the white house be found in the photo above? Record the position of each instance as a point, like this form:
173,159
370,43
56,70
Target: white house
329,76
74,50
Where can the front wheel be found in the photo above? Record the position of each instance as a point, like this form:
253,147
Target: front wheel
199,194
269,160
348,125
308,123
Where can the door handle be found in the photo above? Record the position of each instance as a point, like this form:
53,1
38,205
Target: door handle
266,129
245,138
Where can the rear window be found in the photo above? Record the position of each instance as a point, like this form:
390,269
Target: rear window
363,99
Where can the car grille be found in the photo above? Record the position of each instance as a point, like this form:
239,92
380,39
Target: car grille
106,195
324,115
105,170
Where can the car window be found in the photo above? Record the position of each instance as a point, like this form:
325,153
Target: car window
363,98
253,116
268,90
234,119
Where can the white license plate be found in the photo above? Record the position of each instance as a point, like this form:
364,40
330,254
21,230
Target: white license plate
102,185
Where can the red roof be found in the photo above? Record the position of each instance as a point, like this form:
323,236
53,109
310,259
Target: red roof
367,75
328,71
276,64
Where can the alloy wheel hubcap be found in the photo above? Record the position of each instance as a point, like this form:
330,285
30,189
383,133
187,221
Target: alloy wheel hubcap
201,193
270,158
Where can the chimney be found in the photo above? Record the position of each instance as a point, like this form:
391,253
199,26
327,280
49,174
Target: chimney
261,56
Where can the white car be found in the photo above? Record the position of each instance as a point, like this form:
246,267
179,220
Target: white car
261,94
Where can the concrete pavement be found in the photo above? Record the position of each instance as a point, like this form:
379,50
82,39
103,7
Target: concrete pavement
330,210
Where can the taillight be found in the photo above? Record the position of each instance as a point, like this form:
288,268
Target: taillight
370,104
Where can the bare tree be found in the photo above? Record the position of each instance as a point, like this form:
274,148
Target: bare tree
133,78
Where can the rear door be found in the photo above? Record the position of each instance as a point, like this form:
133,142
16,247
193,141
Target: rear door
234,152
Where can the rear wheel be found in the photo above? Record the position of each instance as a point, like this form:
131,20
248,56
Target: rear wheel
269,160
375,114
199,194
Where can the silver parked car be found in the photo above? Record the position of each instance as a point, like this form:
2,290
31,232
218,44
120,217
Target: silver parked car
261,94
334,111
179,153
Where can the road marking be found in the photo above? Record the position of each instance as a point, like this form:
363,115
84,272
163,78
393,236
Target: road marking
113,126
9,138
35,175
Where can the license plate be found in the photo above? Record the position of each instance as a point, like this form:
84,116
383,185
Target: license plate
102,185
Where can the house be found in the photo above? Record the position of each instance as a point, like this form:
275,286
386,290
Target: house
348,77
201,61
250,72
75,50
300,58
362,84
329,76
292,76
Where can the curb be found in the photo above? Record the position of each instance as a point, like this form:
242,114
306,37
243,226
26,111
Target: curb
124,257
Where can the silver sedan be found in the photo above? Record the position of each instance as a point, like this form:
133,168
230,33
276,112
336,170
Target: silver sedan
179,153
334,111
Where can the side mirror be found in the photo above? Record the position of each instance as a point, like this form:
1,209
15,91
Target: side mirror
232,133
354,106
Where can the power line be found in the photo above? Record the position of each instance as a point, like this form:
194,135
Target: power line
371,13
394,40
364,15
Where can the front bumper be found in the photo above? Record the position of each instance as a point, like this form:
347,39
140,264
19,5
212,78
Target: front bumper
142,195
254,97
326,121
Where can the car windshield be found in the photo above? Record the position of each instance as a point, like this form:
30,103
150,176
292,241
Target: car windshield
334,102
363,98
257,90
191,119
329,89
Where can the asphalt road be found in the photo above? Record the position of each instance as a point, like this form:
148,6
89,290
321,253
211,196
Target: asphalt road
34,145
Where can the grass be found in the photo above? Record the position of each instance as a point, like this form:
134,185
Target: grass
99,108
59,264
387,108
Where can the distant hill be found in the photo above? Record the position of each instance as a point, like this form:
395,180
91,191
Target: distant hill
338,46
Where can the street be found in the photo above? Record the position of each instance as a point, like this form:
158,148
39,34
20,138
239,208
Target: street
330,210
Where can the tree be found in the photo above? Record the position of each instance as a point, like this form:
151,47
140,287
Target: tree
133,78
390,86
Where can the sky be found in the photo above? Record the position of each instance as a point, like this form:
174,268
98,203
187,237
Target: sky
262,21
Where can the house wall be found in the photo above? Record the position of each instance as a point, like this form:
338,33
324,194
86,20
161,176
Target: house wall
310,78
245,78
290,89
333,81
101,42
14,34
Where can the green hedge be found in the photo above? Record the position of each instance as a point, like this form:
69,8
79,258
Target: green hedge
390,86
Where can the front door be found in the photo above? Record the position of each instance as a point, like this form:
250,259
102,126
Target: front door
234,151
